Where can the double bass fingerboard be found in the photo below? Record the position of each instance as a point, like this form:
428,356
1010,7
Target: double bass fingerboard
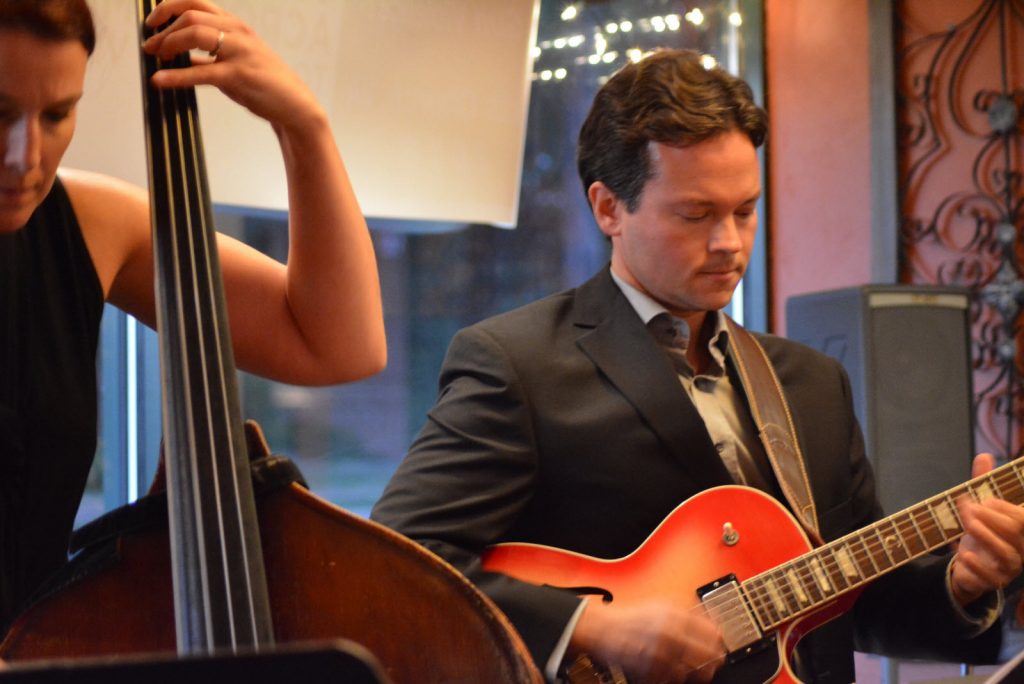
220,591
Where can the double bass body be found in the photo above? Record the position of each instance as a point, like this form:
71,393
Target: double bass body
330,574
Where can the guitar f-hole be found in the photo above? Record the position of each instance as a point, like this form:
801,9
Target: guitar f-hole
604,594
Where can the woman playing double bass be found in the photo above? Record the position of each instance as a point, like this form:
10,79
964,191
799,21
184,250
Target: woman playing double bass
70,241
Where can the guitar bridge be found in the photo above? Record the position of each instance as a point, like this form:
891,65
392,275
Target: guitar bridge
725,604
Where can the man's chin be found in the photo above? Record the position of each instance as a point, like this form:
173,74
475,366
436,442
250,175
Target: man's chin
719,301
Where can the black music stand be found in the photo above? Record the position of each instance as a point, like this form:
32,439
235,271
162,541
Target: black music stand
333,662
1012,672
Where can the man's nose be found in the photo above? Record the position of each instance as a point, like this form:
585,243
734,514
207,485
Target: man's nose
725,237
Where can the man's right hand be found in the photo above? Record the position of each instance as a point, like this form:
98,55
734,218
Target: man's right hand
653,642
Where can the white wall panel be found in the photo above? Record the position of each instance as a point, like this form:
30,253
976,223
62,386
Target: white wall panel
427,98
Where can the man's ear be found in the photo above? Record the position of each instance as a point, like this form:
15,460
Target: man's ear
607,208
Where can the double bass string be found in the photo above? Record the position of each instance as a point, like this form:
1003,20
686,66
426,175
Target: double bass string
220,588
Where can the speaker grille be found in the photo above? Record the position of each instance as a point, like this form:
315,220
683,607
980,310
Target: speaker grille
907,351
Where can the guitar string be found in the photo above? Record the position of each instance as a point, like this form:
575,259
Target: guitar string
728,609
827,585
881,557
872,555
786,601
873,551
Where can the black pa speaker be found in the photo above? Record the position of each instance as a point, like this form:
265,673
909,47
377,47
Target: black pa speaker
907,352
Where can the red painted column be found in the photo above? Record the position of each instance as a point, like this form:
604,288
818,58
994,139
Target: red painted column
818,151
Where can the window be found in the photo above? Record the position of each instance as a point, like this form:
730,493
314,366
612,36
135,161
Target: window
436,279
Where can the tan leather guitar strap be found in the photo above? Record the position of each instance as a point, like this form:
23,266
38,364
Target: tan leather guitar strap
774,424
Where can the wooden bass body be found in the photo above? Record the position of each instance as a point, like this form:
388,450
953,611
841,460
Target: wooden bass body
330,574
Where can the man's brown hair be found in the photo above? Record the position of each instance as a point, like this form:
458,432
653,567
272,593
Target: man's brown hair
667,97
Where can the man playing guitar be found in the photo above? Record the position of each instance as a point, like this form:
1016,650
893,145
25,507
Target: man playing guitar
579,423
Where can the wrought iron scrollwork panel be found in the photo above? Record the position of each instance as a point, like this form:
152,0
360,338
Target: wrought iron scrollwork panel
962,214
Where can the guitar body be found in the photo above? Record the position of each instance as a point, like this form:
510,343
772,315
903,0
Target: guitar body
689,550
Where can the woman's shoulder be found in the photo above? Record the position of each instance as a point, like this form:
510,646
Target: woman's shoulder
90,187
113,215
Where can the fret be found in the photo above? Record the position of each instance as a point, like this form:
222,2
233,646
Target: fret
821,578
771,599
1020,480
892,541
809,580
959,492
957,528
917,528
788,595
946,517
983,491
765,608
756,601
775,597
887,558
1010,484
793,578
873,568
896,541
936,528
835,569
997,485
907,530
847,563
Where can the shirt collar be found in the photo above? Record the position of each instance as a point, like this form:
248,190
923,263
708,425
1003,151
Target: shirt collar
647,308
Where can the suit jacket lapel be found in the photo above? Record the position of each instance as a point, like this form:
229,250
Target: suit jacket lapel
616,340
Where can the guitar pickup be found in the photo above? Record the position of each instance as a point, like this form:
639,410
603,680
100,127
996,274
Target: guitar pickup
724,603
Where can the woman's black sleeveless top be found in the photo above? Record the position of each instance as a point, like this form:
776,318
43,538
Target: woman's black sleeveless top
51,302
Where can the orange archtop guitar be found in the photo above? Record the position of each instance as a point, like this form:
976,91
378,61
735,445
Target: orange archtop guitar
738,554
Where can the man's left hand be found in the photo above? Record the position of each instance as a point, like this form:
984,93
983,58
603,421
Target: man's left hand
991,552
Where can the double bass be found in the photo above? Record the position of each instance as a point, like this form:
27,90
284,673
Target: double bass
236,556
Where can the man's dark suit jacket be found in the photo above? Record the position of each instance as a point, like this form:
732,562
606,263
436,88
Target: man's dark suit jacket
563,423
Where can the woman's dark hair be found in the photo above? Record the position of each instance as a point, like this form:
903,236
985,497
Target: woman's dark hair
667,97
50,20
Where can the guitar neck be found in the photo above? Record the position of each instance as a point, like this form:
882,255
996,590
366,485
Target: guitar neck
815,578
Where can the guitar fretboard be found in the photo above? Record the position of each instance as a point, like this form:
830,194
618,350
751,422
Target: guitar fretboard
806,582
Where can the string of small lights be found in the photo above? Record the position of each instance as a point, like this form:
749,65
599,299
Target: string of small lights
602,34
